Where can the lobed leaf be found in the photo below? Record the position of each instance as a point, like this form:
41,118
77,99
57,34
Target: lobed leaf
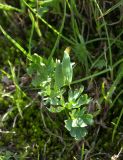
78,133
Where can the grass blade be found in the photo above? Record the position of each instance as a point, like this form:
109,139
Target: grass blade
6,7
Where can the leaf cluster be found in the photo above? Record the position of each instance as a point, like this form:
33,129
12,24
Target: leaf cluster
52,78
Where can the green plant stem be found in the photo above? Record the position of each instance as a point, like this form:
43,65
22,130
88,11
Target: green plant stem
82,152
92,76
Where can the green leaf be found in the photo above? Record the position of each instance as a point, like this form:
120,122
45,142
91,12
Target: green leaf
71,105
68,124
50,64
67,68
41,70
70,95
59,77
56,109
78,133
80,113
37,59
78,122
74,95
83,100
76,113
55,101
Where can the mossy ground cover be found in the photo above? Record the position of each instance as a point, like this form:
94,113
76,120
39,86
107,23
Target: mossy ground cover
61,70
